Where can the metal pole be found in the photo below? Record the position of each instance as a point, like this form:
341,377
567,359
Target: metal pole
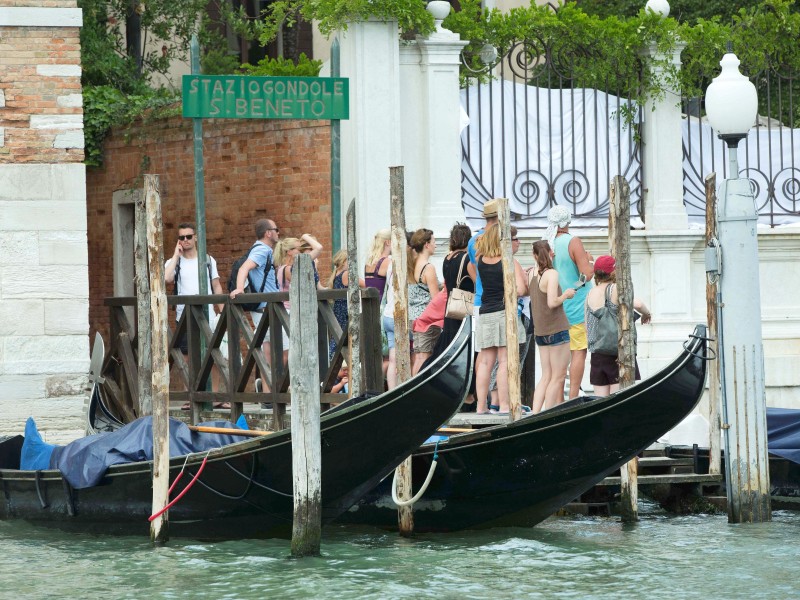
199,182
199,201
742,351
336,164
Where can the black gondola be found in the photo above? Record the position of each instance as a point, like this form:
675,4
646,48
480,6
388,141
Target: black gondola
520,473
245,490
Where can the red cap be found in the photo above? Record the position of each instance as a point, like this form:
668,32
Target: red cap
605,263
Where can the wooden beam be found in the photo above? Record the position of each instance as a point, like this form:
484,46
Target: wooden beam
712,310
159,527
143,317
402,351
306,444
353,305
619,218
510,297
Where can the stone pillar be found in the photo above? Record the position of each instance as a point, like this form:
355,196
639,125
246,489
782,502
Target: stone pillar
439,148
44,283
662,155
371,137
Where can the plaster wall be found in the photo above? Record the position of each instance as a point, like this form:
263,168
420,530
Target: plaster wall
44,289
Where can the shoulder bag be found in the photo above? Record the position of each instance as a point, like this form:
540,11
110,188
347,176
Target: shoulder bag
606,330
459,303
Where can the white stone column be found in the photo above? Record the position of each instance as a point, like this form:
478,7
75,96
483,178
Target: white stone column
662,154
439,146
371,137
414,139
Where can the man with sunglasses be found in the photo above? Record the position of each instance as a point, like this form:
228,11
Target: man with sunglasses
181,269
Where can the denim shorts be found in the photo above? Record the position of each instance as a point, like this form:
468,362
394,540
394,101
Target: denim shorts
388,327
554,339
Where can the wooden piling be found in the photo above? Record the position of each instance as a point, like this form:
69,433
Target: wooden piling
306,446
510,293
712,308
619,222
159,528
402,351
143,317
353,305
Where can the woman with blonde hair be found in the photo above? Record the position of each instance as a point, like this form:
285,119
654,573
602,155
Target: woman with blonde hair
339,281
490,336
551,328
285,251
379,260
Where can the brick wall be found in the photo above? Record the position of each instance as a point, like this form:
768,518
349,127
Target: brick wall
253,169
40,94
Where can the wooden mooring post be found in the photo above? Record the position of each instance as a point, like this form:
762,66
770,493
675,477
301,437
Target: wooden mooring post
619,217
306,446
402,351
143,316
712,308
353,305
159,527
510,293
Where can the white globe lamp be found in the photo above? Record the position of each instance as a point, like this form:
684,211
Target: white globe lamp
660,7
731,102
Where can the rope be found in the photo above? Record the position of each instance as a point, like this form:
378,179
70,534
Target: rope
172,503
424,487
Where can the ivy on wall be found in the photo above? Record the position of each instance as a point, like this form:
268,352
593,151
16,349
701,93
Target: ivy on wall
601,50
606,52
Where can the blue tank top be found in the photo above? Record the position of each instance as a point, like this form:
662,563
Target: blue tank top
568,274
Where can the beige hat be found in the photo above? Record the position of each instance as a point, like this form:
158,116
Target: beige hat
490,208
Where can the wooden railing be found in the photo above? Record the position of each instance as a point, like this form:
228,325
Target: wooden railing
244,353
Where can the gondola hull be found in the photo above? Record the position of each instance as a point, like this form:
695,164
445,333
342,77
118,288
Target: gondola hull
520,473
245,489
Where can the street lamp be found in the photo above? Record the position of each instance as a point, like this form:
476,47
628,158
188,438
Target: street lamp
731,107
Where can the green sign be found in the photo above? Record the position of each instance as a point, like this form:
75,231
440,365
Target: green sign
246,97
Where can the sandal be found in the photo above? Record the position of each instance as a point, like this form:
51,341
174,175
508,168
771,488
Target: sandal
223,405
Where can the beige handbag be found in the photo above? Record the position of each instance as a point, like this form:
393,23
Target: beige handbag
459,302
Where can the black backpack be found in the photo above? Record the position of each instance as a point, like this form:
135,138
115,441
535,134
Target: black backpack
237,264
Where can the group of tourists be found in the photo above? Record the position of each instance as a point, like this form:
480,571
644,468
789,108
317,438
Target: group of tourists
561,298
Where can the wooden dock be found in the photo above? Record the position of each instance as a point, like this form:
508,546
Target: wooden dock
672,482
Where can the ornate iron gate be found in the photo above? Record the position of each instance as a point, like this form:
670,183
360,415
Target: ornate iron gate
535,136
769,157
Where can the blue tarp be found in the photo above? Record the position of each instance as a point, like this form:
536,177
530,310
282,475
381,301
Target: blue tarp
84,462
783,433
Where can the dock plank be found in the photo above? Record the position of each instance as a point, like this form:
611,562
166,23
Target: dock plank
670,478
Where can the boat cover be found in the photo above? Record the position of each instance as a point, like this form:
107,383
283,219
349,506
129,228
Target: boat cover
783,433
84,461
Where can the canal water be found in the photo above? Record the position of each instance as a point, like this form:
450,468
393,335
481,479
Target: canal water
580,557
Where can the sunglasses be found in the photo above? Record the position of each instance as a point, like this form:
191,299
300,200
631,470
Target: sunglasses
275,229
514,239
185,237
